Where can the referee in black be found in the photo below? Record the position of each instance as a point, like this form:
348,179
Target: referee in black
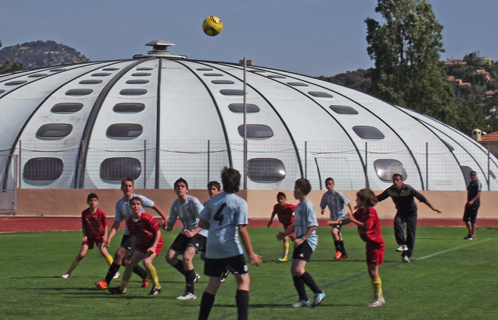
403,197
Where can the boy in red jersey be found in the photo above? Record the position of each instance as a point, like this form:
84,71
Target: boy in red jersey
367,220
146,244
94,227
285,213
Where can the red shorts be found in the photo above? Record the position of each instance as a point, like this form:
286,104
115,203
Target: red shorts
375,255
286,227
90,242
143,247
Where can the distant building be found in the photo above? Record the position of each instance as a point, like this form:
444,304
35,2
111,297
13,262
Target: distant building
490,142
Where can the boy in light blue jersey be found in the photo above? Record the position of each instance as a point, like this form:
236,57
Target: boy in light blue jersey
224,215
123,212
304,228
336,201
191,240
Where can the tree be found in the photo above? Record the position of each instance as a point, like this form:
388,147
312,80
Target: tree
406,49
5,66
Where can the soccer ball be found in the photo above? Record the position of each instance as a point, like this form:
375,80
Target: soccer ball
212,26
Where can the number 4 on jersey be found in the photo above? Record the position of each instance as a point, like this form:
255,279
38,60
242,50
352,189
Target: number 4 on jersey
218,216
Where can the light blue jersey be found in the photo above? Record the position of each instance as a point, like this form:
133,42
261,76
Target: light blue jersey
225,212
336,202
188,213
123,210
305,217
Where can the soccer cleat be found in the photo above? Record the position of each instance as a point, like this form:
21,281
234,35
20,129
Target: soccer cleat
376,303
155,291
66,275
471,238
467,237
283,259
224,276
301,303
319,298
187,296
338,255
401,248
117,275
102,285
344,256
197,278
405,259
145,282
116,290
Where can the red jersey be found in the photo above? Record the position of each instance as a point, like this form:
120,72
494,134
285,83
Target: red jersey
285,215
371,220
94,223
144,229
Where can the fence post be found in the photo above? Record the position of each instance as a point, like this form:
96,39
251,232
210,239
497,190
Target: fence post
489,184
427,166
145,164
366,165
209,160
306,161
19,164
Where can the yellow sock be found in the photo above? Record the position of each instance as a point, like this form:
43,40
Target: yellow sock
126,278
286,249
73,266
109,260
377,287
153,275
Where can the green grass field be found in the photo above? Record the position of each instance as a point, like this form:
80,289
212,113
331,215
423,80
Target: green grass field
449,278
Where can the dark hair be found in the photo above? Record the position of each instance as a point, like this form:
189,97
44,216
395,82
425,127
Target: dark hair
230,179
303,185
136,199
91,196
397,175
180,180
280,195
367,197
215,184
329,179
126,180
472,172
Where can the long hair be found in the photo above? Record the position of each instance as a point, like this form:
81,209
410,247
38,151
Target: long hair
367,197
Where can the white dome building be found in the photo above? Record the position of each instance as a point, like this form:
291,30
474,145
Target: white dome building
157,117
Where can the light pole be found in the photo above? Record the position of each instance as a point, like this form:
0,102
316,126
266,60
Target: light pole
245,63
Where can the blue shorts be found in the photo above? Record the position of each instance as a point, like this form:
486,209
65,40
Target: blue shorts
470,213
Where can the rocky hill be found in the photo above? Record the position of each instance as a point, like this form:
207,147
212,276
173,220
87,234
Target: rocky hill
37,54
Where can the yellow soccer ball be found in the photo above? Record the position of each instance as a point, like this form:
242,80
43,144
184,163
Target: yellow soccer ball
212,26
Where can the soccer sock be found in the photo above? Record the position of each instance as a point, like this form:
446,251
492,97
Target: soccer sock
153,275
343,249
138,270
109,260
308,280
337,245
125,280
301,290
242,298
207,302
286,249
73,266
179,266
377,287
111,272
189,280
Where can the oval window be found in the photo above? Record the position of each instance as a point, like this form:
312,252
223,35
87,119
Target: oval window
385,168
124,130
133,92
239,107
265,170
256,131
129,107
343,110
117,168
78,92
368,132
43,169
54,131
67,107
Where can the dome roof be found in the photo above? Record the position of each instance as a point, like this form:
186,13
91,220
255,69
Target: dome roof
156,118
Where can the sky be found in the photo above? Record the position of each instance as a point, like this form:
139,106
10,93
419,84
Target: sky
310,37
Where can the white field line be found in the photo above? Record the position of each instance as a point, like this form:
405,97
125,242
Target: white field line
451,249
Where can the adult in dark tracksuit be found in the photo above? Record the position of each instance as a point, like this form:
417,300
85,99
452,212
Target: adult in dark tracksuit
472,205
403,197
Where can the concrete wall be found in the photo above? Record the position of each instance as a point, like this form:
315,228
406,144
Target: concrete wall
70,202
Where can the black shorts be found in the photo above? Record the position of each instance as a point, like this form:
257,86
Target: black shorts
470,213
337,226
303,252
126,242
215,267
182,242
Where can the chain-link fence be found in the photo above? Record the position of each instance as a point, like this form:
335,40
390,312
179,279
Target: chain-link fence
8,192
271,164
